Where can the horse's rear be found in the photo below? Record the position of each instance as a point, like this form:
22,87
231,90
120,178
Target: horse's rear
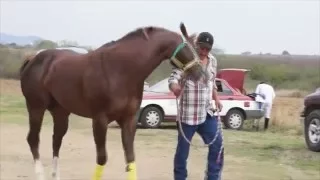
32,74
38,99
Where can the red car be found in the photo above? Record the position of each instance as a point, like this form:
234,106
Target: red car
159,103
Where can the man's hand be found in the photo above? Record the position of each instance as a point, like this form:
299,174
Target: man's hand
218,105
176,89
217,100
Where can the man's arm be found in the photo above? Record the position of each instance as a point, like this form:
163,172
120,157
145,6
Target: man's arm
174,79
215,91
215,96
257,92
273,93
214,66
258,89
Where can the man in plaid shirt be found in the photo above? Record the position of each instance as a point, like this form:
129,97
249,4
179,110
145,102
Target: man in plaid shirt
196,111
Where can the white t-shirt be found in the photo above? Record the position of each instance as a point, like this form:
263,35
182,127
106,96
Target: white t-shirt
265,93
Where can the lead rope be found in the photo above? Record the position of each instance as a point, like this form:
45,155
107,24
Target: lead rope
219,130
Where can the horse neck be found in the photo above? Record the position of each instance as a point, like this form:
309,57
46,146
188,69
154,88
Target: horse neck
145,66
144,56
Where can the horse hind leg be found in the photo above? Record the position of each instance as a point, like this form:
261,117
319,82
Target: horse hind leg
60,128
36,113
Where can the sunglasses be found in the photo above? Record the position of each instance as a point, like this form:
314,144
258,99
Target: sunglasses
205,47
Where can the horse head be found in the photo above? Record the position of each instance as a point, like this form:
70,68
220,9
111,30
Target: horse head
180,49
185,56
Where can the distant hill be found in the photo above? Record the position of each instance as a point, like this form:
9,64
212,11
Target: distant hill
19,40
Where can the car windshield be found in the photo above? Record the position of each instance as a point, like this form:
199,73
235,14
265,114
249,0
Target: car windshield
161,86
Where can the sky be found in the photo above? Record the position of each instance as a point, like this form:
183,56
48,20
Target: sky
237,26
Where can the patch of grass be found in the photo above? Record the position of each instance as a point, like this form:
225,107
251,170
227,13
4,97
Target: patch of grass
12,104
13,110
267,146
274,147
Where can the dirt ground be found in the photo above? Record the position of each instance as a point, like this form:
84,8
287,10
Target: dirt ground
77,155
154,154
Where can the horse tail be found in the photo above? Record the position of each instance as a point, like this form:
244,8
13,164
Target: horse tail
25,63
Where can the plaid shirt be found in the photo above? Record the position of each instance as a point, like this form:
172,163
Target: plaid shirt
196,97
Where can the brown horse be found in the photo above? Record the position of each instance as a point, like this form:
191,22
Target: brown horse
104,85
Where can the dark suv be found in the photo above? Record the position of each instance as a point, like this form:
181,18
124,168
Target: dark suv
311,115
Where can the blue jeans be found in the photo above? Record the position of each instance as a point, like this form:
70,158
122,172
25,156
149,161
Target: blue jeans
260,105
207,131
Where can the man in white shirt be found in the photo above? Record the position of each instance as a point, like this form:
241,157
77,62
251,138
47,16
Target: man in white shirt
265,95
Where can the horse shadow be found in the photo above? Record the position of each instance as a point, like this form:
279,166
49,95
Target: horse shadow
171,126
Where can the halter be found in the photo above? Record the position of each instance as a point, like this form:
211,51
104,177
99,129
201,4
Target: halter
178,63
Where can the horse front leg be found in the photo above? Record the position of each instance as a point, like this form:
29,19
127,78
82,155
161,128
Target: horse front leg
128,131
100,126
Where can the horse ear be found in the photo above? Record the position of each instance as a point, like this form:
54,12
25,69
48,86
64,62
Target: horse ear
183,30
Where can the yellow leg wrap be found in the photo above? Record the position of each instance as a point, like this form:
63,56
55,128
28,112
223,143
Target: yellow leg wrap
132,171
98,172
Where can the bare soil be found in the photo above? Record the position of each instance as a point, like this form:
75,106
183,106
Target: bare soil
154,156
77,155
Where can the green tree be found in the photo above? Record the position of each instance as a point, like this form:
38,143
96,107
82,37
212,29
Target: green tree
67,43
45,44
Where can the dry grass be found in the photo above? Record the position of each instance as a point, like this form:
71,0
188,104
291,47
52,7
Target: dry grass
8,86
291,93
285,112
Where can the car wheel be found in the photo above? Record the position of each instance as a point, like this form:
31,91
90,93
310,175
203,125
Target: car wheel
312,130
151,117
225,124
234,119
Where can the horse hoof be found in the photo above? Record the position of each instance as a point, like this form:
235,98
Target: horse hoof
40,177
55,176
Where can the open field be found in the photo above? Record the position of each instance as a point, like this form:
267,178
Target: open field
282,71
277,154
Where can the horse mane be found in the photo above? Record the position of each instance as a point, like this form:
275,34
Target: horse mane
139,32
131,34
135,33
108,43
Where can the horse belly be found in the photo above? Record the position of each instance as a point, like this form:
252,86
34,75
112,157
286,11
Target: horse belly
74,105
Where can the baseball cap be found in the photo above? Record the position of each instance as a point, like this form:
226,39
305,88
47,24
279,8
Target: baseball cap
205,39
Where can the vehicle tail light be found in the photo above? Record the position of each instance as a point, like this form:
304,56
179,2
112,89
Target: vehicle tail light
246,104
